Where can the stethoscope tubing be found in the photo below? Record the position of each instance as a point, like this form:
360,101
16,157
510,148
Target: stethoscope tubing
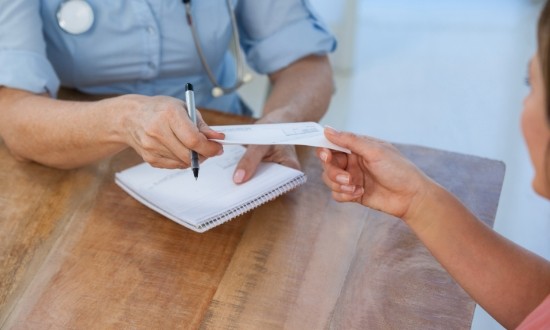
218,90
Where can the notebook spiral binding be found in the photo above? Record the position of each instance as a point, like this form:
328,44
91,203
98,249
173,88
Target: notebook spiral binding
253,203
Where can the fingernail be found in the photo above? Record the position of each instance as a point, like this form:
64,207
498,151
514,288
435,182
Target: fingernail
348,188
220,152
239,176
342,178
324,156
331,130
359,192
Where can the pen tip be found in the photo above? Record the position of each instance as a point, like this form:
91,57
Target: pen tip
196,173
188,87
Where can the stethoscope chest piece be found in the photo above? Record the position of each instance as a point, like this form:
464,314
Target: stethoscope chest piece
75,16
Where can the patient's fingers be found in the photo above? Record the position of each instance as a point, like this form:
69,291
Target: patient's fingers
339,187
347,197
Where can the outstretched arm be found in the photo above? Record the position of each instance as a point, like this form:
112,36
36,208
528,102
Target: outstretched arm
505,279
68,134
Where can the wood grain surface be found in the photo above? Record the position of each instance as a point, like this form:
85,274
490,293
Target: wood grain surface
77,252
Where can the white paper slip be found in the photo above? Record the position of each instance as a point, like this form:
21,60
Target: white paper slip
303,133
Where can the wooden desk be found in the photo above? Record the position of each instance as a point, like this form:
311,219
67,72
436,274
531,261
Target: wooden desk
76,252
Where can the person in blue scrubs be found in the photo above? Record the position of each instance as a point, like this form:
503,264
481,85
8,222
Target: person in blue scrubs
143,50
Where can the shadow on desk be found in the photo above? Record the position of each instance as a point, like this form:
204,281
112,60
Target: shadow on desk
78,252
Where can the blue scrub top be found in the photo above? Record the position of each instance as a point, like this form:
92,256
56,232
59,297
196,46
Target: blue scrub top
146,46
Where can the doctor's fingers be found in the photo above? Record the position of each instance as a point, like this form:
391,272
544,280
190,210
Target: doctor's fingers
159,141
168,161
156,152
206,130
191,138
249,162
162,161
284,155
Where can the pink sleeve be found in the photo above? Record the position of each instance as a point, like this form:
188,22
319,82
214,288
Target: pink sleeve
539,318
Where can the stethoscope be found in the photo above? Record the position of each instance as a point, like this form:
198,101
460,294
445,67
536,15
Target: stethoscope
77,16
242,78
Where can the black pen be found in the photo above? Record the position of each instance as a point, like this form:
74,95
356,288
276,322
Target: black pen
192,111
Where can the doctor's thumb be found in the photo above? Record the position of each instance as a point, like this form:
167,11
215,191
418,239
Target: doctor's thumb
247,166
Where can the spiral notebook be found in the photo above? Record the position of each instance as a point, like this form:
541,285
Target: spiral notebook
212,199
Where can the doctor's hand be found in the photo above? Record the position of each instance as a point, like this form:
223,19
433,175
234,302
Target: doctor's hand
162,133
375,174
255,154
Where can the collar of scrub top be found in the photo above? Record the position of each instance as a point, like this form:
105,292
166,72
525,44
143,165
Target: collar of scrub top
242,78
75,16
